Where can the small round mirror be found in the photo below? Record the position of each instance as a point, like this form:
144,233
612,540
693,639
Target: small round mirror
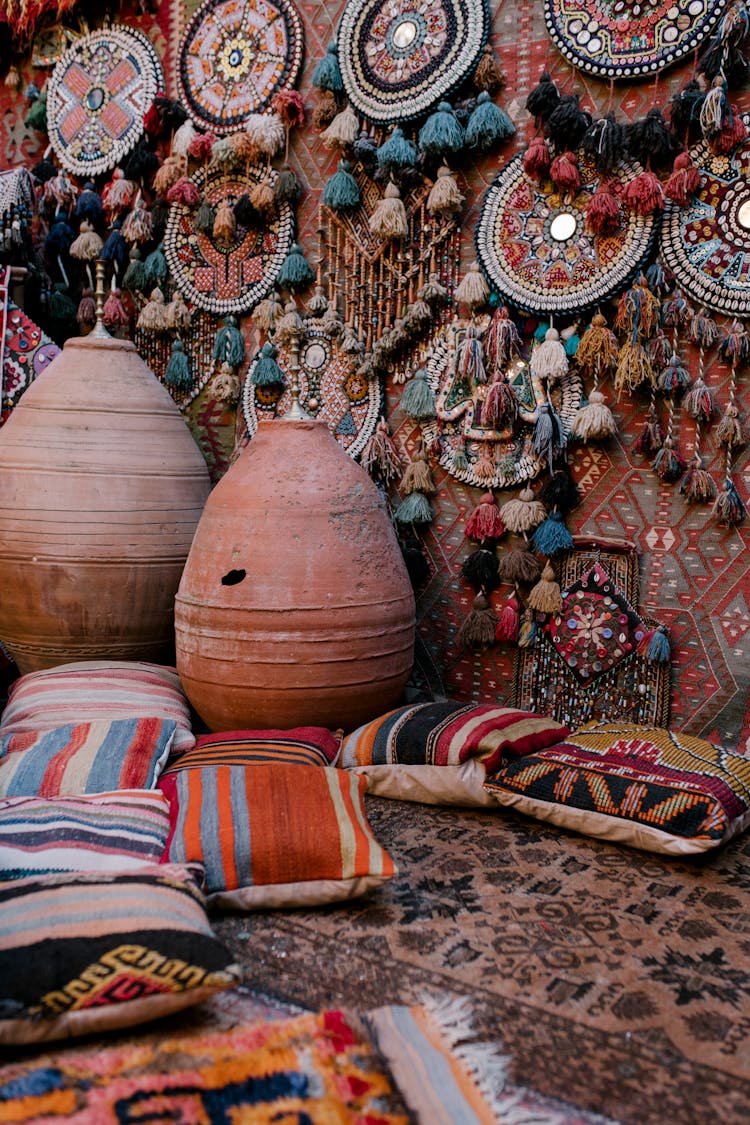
315,356
563,226
405,34
235,57
95,98
743,215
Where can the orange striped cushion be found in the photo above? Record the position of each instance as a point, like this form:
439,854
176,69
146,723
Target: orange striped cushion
274,835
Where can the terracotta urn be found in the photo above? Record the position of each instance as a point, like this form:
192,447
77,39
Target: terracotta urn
295,606
102,489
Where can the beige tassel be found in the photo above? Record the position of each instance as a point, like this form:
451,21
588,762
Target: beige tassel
87,246
226,386
169,173
418,475
290,327
225,224
183,138
267,132
224,154
548,359
444,197
325,111
267,314
523,512
343,130
152,317
262,197
388,221
546,597
177,314
13,79
246,148
594,421
473,291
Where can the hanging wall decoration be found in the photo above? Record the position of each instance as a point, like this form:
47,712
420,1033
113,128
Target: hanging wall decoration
196,343
232,273
25,353
399,60
534,246
622,41
97,97
706,244
234,57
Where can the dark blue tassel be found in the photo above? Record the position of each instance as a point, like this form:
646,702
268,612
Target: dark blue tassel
397,152
442,133
89,205
488,125
341,193
115,249
552,536
327,73
60,237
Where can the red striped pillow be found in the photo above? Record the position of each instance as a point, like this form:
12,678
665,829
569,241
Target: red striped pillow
303,746
274,835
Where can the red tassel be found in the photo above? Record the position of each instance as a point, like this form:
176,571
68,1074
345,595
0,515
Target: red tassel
290,107
537,159
485,521
115,313
603,211
731,134
644,194
500,405
151,122
564,172
509,620
184,191
201,146
684,181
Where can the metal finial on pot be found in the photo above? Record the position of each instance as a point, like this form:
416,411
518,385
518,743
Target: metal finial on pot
295,412
99,330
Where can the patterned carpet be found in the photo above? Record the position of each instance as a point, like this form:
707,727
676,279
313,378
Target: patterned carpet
615,980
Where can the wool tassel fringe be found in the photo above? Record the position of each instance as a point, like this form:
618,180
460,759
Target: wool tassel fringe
552,537
594,421
177,372
508,620
478,630
380,458
546,596
523,513
519,566
729,507
388,220
485,522
481,570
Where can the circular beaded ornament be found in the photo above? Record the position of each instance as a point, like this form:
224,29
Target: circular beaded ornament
97,97
234,57
331,391
532,243
627,39
707,243
399,60
227,277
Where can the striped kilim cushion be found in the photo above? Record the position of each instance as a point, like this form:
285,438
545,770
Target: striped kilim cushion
303,746
102,832
94,757
98,689
84,953
275,835
655,789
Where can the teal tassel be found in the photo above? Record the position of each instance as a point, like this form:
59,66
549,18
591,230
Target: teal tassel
418,399
155,268
177,373
442,133
397,152
414,508
266,371
296,272
327,73
541,331
61,307
488,125
341,193
135,280
659,650
571,344
229,344
36,118
552,536
204,218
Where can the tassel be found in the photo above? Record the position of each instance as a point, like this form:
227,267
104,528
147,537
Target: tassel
417,566
414,509
728,507
44,171
659,350
485,467
245,149
654,645
651,141
604,141
674,377
633,368
519,565
485,523
12,80
478,630
267,313
290,328
265,372
86,315
488,75
509,620
380,458
324,111
36,118
172,169
548,359
177,314
564,172
488,125
442,134
365,150
155,268
152,316
644,194
183,138
567,124
226,386
500,405
397,152
202,146
327,72
287,188
595,421
290,106
597,352
205,217
296,273
418,476
523,513
444,197
527,631
732,133
177,373
418,398
685,109
89,205
229,343
668,465
263,198
343,130
225,224
704,331
543,99
697,486
502,340
700,402
552,536
388,220
676,311
470,363
88,245
341,193
115,314
459,460
560,492
318,303
61,307
715,108
246,215
735,345
549,436
684,182
729,429
650,438
537,159
546,596
115,249
137,227
473,290
434,292
480,570
266,132
603,214
118,194
184,191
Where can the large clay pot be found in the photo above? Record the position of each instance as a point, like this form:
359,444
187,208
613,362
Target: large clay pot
102,489
295,605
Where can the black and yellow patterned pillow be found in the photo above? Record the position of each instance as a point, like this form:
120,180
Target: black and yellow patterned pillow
640,785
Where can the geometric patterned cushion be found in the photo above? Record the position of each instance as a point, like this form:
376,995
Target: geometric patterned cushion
102,832
274,834
86,952
305,746
85,690
652,788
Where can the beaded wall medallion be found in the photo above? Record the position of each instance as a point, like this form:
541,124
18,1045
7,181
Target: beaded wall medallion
707,243
97,96
26,352
626,39
398,60
232,276
197,344
458,423
532,242
235,56
331,390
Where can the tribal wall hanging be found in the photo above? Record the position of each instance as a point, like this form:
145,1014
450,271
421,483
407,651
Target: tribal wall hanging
231,272
25,353
97,97
192,339
535,244
399,60
623,40
234,57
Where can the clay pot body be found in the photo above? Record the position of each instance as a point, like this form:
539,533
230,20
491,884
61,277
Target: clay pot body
295,606
102,489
